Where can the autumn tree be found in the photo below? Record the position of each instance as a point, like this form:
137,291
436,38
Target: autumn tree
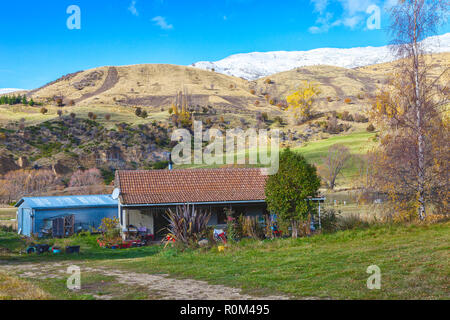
59,101
413,152
19,183
85,178
334,162
301,102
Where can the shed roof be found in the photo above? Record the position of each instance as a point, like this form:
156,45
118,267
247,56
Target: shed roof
190,186
101,200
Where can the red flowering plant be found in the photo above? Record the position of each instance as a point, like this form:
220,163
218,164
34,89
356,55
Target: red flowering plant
110,237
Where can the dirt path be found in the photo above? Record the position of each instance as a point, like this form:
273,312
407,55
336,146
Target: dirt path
160,285
111,80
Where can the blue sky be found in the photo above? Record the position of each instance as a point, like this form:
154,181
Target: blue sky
37,47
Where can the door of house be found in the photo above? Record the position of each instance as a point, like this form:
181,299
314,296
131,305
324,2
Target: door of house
26,221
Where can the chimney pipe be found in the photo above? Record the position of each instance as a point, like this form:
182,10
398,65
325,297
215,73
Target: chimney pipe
170,161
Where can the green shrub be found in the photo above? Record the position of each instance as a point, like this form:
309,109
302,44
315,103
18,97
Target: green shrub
187,225
329,220
234,228
6,228
251,228
279,120
108,176
333,221
352,221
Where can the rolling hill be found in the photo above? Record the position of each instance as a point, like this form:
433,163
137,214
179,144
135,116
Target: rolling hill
156,85
55,140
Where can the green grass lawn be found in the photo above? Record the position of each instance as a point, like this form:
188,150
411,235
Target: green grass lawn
414,263
16,245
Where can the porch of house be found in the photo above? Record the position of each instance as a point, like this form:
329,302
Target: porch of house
151,220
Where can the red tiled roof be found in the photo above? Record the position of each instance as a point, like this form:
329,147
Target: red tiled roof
190,185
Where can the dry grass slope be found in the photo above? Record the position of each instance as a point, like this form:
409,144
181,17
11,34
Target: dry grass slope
117,90
13,288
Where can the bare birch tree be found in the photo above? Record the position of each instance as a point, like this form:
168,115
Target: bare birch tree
412,104
335,161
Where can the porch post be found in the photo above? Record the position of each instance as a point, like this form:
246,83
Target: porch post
320,225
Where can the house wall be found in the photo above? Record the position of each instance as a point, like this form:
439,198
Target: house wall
253,210
139,219
213,220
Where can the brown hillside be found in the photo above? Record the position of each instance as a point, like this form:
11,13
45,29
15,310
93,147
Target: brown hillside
116,90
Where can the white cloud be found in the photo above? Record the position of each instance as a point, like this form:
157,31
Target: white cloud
132,8
315,29
323,23
162,23
352,22
352,7
353,13
320,5
388,4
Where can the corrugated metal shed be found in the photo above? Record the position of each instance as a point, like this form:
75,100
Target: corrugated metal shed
67,201
34,214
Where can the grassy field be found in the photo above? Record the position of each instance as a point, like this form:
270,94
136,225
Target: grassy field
7,213
8,217
414,263
118,114
358,143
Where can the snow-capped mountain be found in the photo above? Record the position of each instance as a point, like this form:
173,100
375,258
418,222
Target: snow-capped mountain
9,90
255,65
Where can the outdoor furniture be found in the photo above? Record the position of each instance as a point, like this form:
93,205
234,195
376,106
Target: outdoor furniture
219,235
130,232
56,250
72,249
31,249
42,248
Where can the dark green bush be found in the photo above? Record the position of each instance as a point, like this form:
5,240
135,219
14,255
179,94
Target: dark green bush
329,220
352,221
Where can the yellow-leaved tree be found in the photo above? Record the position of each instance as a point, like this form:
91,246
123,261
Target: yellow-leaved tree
301,102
